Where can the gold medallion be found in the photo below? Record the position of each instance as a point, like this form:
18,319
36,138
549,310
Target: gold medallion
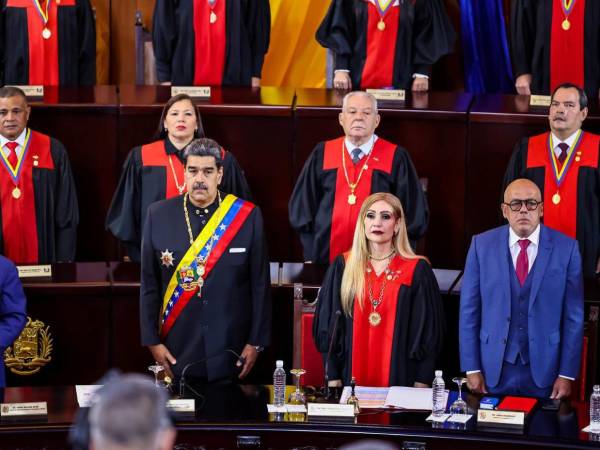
556,198
577,158
566,24
16,192
374,318
352,199
46,33
381,25
213,17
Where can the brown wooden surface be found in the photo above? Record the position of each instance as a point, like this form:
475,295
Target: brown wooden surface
85,121
433,129
256,125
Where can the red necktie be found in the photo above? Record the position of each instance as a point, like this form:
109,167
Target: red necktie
12,153
564,148
523,261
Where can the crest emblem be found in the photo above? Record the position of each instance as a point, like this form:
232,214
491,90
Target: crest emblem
188,279
31,350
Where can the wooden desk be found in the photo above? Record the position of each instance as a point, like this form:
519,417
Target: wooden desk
433,128
232,415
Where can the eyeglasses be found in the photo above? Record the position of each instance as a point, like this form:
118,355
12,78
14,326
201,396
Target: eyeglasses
516,205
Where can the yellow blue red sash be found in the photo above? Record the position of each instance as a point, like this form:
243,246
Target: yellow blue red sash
567,6
212,241
43,14
383,6
560,174
15,172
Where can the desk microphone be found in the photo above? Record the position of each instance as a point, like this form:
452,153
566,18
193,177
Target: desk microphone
338,313
182,383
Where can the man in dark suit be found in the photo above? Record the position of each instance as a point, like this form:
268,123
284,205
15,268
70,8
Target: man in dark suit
12,309
205,276
521,304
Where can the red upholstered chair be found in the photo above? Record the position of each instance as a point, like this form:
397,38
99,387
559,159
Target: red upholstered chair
305,353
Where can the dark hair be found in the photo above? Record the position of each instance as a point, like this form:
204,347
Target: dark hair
583,100
203,147
161,133
12,91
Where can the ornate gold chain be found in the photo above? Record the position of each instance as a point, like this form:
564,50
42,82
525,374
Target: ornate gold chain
352,186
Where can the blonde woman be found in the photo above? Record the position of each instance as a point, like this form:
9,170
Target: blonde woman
392,325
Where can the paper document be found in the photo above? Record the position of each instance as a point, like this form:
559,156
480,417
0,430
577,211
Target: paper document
368,397
392,397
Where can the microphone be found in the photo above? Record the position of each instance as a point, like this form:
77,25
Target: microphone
182,383
338,313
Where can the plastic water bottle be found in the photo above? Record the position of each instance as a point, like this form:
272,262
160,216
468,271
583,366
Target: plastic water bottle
595,409
439,394
279,384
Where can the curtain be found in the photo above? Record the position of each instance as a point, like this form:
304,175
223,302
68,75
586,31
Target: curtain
485,45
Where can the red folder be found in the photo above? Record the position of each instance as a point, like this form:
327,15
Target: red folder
525,404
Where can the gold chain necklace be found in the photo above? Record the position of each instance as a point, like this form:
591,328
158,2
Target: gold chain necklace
179,188
201,262
385,257
374,316
352,186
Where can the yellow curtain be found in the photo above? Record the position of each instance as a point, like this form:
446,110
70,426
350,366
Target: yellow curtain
295,58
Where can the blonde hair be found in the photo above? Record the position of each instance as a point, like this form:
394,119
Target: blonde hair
353,279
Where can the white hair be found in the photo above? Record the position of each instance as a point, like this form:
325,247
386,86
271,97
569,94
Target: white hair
349,95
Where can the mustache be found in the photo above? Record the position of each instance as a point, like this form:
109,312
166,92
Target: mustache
199,186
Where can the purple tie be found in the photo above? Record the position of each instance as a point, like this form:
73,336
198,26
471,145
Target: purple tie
523,261
564,148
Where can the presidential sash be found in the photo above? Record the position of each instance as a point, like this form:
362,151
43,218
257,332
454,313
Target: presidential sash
209,246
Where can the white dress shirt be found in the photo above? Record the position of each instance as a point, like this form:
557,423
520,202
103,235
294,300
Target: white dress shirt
515,248
569,141
20,140
365,148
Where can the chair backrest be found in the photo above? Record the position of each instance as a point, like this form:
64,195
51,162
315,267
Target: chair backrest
305,354
145,65
589,357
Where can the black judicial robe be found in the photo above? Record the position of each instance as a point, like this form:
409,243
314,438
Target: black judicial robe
235,307
312,202
425,34
76,29
530,28
418,329
587,205
56,212
248,27
140,186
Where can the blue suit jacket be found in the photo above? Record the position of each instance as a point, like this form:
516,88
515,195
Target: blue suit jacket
555,307
12,309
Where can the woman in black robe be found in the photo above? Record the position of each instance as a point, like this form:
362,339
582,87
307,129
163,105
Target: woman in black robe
392,326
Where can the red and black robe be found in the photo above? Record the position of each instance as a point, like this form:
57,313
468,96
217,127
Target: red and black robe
66,58
192,50
541,47
319,210
147,178
578,212
40,226
403,348
416,34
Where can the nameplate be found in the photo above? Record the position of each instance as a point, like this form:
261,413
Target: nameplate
182,405
86,394
23,409
32,91
500,418
397,95
540,100
330,410
41,271
192,91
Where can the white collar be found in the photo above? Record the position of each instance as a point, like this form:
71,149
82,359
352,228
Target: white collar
19,140
534,237
569,141
365,148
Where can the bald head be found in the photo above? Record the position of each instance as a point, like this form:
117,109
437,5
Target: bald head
523,207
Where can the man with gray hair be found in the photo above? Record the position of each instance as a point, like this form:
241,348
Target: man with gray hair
341,173
204,293
130,413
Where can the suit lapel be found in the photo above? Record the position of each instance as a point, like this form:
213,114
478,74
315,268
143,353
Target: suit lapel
541,262
505,266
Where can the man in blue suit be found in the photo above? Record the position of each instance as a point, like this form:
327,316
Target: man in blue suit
12,309
521,304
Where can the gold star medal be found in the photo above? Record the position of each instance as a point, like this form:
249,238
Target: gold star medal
166,258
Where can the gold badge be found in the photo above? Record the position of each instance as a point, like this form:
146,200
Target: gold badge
374,318
213,17
351,199
31,350
556,198
381,25
16,192
566,25
46,33
166,258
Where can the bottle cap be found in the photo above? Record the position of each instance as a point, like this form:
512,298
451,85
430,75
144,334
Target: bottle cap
279,363
438,373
